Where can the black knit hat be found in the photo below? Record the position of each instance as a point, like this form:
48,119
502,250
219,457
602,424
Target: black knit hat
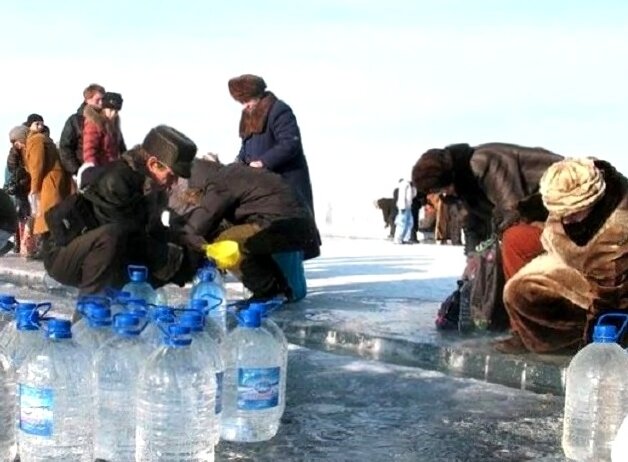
112,101
172,148
33,118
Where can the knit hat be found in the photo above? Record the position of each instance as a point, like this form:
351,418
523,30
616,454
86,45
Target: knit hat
112,101
18,133
172,148
571,186
246,87
432,171
33,118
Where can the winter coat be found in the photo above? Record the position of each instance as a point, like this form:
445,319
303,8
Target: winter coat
244,195
8,214
492,179
18,183
48,178
405,196
271,134
102,137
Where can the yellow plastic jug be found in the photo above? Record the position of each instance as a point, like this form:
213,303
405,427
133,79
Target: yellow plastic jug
226,254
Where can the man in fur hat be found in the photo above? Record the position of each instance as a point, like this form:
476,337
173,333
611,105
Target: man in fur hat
116,221
583,271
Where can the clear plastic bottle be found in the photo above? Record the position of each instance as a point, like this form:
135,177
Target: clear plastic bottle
175,405
28,336
596,397
215,331
56,400
159,320
210,266
252,390
117,300
138,286
7,409
94,329
207,288
7,310
209,350
117,366
619,453
8,336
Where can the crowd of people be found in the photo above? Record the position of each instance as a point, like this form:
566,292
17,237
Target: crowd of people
89,207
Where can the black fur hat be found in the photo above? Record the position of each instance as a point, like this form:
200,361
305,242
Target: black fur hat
112,101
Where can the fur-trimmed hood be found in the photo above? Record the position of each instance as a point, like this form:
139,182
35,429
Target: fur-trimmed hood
97,117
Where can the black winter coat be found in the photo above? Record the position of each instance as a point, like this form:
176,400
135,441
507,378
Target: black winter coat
240,194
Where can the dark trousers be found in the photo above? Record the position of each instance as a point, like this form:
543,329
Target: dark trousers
258,271
92,262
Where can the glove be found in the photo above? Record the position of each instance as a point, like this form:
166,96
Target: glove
33,200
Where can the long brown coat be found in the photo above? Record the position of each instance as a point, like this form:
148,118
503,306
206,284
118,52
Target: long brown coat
48,179
551,299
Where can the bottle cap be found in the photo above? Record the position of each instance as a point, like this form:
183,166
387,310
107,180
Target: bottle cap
59,329
138,273
127,324
177,336
250,318
605,333
198,304
192,319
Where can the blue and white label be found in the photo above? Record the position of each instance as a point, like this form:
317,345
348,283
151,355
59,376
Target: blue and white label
36,410
219,379
258,388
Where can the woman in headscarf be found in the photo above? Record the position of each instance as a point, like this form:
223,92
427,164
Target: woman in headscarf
583,273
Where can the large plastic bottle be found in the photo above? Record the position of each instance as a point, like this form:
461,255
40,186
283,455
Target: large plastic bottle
8,336
210,350
208,288
7,309
138,285
175,403
596,395
252,390
117,366
56,400
27,337
619,453
94,329
213,329
209,265
159,320
7,409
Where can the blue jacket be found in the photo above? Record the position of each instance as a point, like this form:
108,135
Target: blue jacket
279,147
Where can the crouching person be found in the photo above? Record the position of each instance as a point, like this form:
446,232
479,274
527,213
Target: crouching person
115,222
582,273
258,210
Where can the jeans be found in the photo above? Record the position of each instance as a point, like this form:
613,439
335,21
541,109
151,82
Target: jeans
404,222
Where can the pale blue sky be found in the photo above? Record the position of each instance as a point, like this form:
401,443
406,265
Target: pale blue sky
373,83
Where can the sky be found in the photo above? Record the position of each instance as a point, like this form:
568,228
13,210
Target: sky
373,84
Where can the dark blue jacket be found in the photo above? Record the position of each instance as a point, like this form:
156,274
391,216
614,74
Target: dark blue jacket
279,148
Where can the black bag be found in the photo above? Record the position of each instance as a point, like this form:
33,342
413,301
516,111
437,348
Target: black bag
70,218
487,301
449,311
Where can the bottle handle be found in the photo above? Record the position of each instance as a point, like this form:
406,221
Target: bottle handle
622,330
139,268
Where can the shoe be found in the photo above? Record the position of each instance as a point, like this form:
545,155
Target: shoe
513,345
6,249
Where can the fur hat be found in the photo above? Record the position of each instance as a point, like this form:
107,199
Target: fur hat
571,186
112,101
172,148
18,133
33,118
433,170
246,87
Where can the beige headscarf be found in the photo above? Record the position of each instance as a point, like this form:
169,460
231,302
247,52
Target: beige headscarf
571,186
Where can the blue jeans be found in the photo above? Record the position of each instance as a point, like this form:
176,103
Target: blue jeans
404,223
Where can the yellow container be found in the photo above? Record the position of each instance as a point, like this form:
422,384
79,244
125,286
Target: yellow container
226,254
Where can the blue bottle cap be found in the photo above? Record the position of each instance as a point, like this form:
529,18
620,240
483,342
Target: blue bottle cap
605,333
127,324
99,316
177,336
59,329
7,299
199,304
138,273
27,306
206,275
192,319
27,319
160,310
137,306
250,318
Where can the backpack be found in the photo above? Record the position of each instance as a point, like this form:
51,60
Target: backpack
449,311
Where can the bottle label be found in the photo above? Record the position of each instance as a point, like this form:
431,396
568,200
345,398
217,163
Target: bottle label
258,388
36,410
219,378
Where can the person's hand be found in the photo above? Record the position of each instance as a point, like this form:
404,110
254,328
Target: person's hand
257,164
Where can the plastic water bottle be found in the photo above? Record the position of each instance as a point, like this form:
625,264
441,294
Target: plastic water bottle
271,326
98,328
8,336
210,266
211,290
7,309
159,319
175,403
56,400
83,307
213,329
596,395
252,393
117,366
138,286
209,350
7,409
619,453
28,337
